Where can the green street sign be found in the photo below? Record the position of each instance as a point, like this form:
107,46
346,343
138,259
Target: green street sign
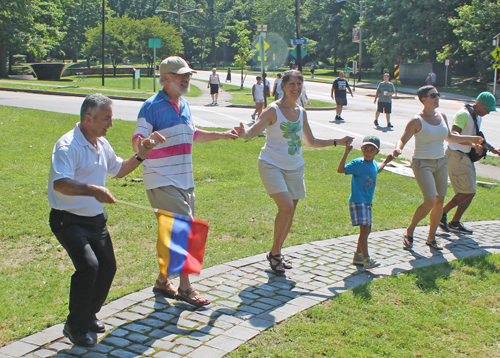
302,52
154,43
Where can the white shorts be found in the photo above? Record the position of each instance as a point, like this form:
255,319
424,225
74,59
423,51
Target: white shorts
277,180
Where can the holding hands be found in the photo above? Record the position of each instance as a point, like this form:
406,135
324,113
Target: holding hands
146,145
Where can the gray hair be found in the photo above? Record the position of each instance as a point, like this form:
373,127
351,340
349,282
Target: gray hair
92,104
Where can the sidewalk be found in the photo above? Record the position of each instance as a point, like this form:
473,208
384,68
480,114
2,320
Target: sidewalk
247,298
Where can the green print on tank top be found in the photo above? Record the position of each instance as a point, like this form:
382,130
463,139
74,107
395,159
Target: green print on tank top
290,132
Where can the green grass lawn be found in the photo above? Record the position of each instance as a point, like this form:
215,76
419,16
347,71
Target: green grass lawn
90,84
439,311
35,270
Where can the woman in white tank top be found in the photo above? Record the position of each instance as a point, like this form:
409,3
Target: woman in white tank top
281,165
429,164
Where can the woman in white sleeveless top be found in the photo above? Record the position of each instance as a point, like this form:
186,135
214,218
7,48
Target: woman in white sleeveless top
429,163
281,165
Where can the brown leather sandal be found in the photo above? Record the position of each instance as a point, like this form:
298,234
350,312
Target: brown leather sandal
198,300
166,288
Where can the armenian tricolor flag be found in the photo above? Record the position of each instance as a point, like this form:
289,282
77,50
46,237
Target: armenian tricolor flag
181,243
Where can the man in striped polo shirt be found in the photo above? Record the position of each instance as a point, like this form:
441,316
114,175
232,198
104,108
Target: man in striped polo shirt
168,170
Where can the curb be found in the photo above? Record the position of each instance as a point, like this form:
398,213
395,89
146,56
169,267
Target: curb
70,94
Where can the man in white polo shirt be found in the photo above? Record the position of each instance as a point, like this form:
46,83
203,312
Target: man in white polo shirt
168,171
81,162
461,169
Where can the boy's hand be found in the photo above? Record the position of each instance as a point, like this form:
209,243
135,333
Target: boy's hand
348,148
389,158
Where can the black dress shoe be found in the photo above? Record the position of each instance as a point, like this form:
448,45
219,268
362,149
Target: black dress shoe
97,326
78,339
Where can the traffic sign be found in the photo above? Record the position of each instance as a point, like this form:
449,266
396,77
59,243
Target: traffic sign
261,27
299,41
302,52
496,54
154,43
496,66
396,71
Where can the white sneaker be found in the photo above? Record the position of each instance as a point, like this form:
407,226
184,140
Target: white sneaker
358,259
369,263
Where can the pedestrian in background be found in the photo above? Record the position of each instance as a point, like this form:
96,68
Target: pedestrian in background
258,98
385,91
339,93
213,84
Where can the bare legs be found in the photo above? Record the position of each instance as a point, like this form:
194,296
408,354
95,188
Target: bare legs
283,222
434,205
462,202
364,232
339,109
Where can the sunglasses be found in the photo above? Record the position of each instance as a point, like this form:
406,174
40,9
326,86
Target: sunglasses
434,95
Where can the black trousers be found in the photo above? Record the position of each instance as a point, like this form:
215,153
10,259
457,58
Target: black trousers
87,241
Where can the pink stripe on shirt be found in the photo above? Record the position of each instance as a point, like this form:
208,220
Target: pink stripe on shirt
171,151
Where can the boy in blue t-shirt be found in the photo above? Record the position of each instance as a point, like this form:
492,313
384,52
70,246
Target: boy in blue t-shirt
364,176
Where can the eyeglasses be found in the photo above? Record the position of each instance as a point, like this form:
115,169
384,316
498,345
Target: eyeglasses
434,95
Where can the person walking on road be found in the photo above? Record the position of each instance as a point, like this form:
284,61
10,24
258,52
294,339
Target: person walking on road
228,76
281,165
214,84
258,98
339,94
81,161
385,91
168,171
461,168
277,91
429,163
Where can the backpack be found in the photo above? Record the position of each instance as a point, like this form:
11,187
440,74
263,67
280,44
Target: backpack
473,155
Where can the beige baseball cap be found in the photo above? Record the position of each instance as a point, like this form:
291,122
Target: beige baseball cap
175,64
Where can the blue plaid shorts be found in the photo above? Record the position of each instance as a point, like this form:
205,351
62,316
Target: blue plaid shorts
361,213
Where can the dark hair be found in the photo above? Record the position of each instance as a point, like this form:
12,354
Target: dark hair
92,104
258,78
288,74
278,75
423,91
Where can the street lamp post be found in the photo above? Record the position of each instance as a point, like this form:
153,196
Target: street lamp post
179,13
360,32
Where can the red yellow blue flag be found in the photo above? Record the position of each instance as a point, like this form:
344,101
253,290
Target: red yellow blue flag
181,243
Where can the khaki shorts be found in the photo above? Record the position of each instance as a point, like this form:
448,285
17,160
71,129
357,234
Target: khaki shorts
431,176
462,172
172,199
278,180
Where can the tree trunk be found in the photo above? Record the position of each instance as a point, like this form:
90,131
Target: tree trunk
3,60
11,61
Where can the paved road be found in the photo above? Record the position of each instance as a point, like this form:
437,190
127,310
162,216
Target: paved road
359,114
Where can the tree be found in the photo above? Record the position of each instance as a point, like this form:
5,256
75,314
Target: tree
243,45
407,30
117,42
475,27
78,16
153,27
28,26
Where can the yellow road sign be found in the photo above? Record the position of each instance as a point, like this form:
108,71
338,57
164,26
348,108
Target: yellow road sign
496,65
496,54
396,71
266,45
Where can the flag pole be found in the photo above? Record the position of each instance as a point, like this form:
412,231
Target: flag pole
137,206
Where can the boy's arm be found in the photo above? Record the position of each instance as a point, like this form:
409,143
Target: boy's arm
341,168
387,160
